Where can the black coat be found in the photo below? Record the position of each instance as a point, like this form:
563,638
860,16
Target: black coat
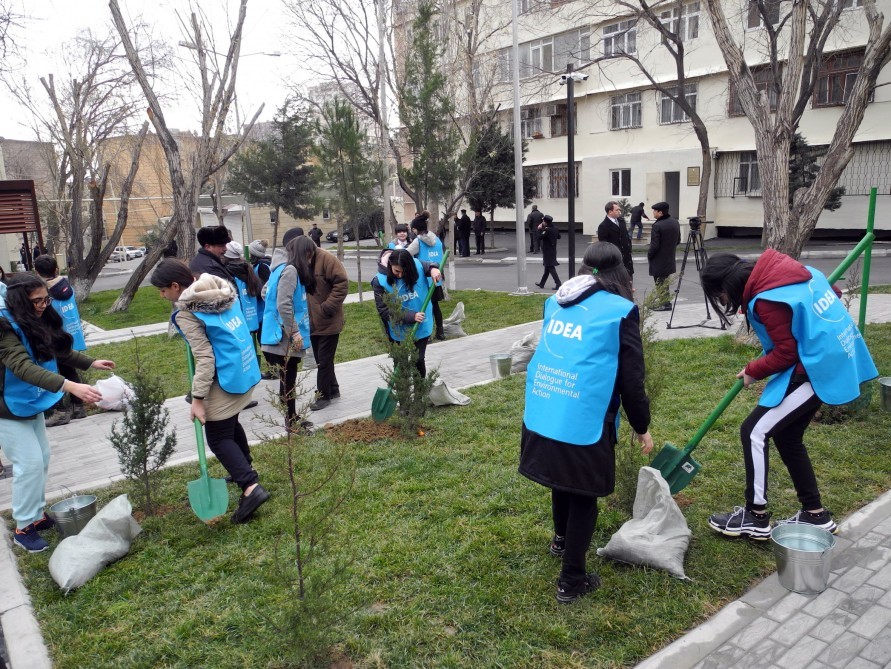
534,219
206,262
608,231
664,238
464,226
479,224
548,237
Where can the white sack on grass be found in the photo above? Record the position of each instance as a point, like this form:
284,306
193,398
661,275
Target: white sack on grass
521,352
452,325
116,393
657,535
106,538
442,395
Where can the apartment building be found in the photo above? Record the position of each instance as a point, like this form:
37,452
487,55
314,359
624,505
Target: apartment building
632,142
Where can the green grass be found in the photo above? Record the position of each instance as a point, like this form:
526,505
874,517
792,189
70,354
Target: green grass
445,547
362,337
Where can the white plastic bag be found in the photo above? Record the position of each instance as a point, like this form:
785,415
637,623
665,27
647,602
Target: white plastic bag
657,535
521,352
442,395
452,325
116,393
106,538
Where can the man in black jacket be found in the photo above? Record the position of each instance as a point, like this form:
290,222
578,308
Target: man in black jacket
533,220
212,239
664,238
614,231
464,228
479,231
637,213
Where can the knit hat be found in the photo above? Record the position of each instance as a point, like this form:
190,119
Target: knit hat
258,247
213,235
661,206
293,233
233,250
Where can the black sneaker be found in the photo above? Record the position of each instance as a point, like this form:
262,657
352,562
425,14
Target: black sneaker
58,418
823,520
558,546
565,596
78,412
319,404
741,523
251,404
248,504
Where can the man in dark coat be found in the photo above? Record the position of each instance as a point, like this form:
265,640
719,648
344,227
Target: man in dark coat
479,231
548,234
464,228
614,231
664,238
212,239
533,220
636,214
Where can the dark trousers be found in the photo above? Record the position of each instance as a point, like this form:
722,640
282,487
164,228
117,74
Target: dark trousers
638,224
480,242
324,347
464,246
534,242
287,382
663,281
227,441
785,424
437,314
71,374
575,517
549,270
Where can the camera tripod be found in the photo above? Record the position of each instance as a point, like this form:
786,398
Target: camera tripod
694,242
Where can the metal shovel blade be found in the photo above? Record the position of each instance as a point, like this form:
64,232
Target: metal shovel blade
383,405
208,497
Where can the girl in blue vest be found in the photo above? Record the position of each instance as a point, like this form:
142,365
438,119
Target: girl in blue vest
401,241
589,361
247,282
285,334
210,319
427,247
813,353
407,278
32,337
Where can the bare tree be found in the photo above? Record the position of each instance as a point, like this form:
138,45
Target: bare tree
8,21
793,45
210,149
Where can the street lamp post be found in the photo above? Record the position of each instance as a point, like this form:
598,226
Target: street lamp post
518,159
569,79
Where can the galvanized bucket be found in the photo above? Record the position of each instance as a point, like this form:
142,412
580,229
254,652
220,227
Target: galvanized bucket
803,554
73,514
500,365
885,385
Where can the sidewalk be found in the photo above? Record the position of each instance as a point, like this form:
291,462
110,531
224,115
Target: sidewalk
854,614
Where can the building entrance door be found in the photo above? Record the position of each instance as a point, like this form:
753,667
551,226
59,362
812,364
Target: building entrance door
673,192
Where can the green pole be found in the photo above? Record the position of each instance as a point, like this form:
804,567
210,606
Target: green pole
867,258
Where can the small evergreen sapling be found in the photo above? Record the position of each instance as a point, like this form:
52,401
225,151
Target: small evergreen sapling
141,438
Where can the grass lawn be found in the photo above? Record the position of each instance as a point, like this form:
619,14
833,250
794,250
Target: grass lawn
362,337
443,548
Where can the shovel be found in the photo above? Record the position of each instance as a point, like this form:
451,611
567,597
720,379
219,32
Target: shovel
383,404
208,497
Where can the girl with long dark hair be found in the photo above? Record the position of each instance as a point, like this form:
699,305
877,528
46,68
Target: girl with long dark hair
589,362
32,338
209,317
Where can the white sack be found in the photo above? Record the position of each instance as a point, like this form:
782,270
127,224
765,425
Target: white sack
521,352
452,325
116,393
657,535
106,538
442,395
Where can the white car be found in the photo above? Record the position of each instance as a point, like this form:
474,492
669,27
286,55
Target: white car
122,253
135,252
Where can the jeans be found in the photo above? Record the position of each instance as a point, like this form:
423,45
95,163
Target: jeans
28,449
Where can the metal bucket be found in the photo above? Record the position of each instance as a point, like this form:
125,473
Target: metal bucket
73,514
885,385
500,365
803,554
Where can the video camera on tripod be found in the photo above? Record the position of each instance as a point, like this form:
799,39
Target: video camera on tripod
695,222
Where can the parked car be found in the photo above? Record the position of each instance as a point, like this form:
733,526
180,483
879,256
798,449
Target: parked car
122,253
369,225
138,251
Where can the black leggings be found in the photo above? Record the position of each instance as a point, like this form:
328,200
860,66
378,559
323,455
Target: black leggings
575,517
227,441
287,382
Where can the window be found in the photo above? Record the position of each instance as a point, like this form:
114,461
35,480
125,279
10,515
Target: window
558,181
326,214
547,54
836,77
749,180
560,119
764,82
850,4
624,111
620,38
530,121
670,111
683,23
620,181
534,175
524,6
572,47
536,57
771,9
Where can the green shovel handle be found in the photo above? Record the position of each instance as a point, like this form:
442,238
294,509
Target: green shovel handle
199,432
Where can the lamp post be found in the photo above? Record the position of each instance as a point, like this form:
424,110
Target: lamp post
518,159
569,80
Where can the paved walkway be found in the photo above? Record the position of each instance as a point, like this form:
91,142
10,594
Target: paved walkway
792,630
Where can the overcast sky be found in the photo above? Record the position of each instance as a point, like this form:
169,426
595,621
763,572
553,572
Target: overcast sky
260,78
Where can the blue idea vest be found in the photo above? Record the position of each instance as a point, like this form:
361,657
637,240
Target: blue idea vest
248,305
830,346
237,370
431,254
411,299
26,400
571,378
272,320
67,309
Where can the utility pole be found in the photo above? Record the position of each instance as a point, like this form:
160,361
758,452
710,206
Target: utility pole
382,126
518,160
